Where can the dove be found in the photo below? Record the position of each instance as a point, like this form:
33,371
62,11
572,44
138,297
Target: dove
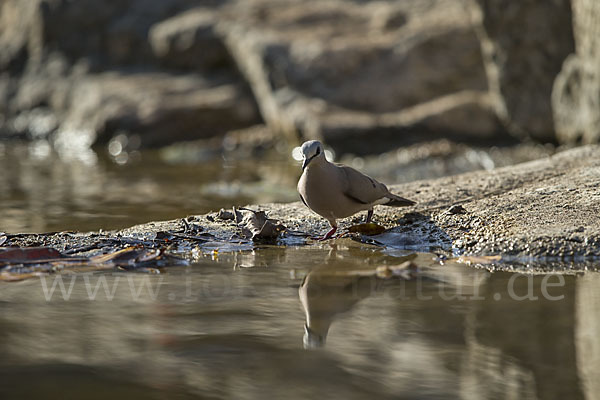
337,191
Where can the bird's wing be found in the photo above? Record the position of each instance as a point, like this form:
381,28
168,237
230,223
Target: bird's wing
360,187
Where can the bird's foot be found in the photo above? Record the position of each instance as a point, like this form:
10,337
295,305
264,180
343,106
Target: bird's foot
329,235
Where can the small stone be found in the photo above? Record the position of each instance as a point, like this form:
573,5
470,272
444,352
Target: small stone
457,209
225,214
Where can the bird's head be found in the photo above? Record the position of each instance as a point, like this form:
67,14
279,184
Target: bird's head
311,150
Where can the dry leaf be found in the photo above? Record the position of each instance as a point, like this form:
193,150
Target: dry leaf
11,255
256,224
23,263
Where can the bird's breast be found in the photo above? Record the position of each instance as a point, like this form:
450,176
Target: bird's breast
324,194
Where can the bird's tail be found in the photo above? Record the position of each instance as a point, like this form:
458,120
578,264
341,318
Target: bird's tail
397,201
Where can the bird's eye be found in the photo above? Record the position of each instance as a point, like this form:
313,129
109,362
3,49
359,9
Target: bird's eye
318,150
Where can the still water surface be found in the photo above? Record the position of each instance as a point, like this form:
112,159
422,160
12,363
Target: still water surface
301,323
42,192
294,322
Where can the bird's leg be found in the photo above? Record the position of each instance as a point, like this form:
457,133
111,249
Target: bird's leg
329,234
369,215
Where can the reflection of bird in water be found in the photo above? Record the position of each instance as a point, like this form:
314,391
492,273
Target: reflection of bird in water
326,291
337,285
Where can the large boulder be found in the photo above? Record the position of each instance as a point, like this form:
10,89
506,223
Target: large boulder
107,32
92,69
189,41
576,96
17,33
330,69
160,108
524,44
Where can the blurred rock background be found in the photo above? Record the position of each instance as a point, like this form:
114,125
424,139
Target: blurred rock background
84,72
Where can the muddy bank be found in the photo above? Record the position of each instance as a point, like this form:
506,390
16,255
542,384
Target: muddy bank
543,213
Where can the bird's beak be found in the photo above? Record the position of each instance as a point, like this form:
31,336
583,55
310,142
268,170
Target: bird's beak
305,162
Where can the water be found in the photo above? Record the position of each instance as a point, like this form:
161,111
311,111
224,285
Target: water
234,327
276,322
42,192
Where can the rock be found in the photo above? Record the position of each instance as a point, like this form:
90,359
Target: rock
18,39
89,68
388,70
435,159
225,215
110,33
522,211
524,45
462,115
161,108
107,33
336,68
576,95
189,41
457,209
81,29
